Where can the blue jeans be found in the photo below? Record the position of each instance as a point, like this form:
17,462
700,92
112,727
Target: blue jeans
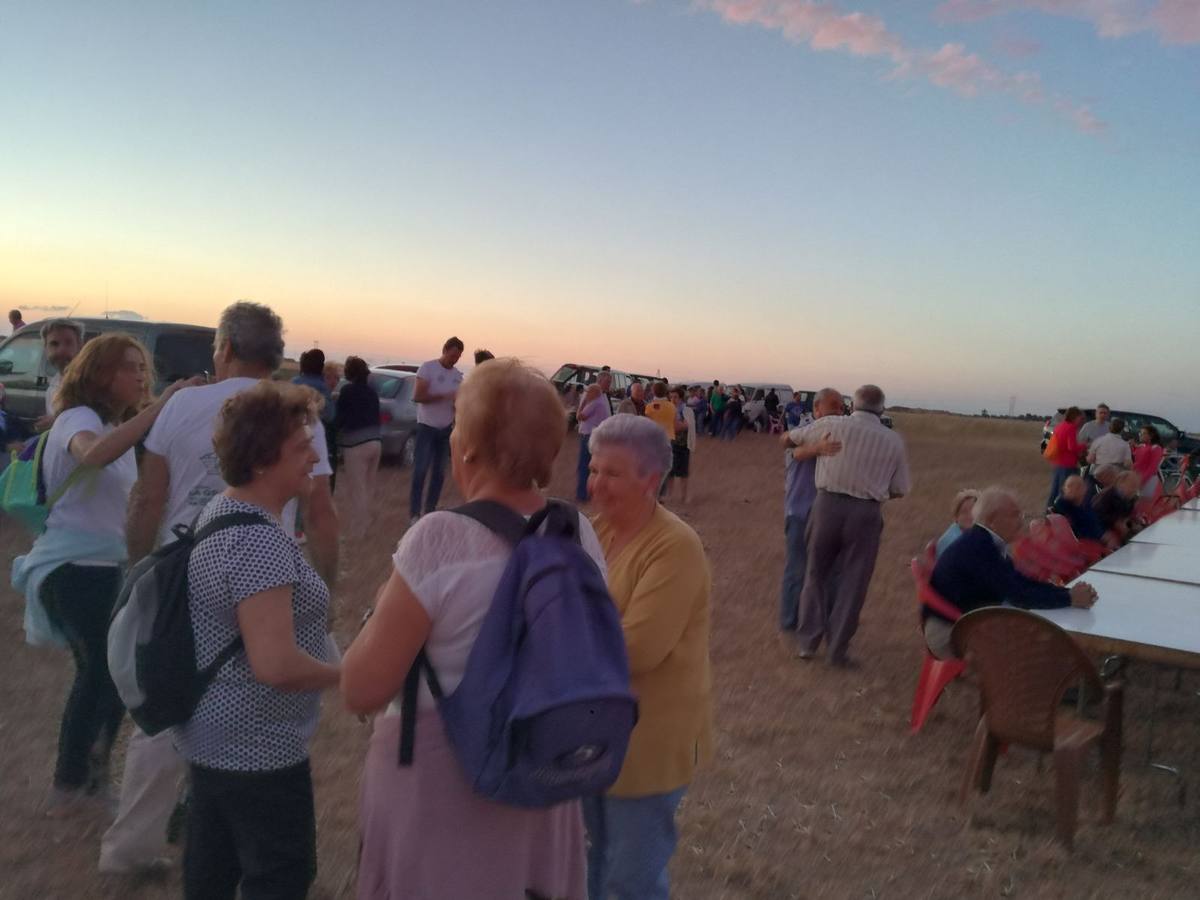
793,572
733,425
632,839
1061,474
432,450
581,475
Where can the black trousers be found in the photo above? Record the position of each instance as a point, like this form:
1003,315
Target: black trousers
253,829
79,602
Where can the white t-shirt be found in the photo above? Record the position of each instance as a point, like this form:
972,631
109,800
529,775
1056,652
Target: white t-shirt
97,502
453,565
183,435
1112,449
440,413
52,387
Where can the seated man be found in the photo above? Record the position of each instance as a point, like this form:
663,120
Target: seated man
975,571
1072,504
1114,506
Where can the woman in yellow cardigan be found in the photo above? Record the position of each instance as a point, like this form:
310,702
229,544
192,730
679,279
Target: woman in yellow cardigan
659,578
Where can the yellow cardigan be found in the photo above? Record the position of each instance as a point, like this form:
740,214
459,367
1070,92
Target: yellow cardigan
661,583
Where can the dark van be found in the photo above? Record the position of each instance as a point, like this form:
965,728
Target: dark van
179,351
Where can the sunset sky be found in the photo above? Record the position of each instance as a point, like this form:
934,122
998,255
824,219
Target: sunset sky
960,200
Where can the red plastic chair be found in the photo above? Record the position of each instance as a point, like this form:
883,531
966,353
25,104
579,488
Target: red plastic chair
935,673
1078,553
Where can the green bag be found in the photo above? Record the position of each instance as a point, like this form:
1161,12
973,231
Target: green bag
23,493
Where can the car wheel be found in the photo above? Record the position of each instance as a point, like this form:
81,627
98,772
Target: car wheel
408,453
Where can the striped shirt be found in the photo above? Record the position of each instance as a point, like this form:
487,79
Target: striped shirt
872,464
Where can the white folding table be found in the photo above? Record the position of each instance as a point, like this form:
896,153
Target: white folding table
1158,562
1144,618
1176,530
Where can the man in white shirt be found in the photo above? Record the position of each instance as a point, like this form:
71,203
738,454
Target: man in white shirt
179,475
61,340
846,521
1109,449
436,388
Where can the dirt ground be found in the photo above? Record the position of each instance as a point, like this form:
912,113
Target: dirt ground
817,789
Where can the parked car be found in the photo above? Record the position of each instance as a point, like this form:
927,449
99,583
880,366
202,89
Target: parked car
397,412
400,367
1177,442
179,351
577,373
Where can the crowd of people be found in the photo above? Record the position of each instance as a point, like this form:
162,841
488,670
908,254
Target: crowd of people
129,471
1099,479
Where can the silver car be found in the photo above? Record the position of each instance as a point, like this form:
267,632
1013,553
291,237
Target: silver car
397,412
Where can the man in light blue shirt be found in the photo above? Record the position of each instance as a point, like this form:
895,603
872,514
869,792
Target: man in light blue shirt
800,490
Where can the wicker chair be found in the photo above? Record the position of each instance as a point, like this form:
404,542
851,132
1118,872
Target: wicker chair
1025,664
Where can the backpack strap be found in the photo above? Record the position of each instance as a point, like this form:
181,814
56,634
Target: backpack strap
496,517
229,520
408,705
561,519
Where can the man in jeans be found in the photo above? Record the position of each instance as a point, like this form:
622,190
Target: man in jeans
437,386
800,490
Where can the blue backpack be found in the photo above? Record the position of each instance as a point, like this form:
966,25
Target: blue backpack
544,711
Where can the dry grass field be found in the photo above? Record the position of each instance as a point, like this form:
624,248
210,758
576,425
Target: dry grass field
817,789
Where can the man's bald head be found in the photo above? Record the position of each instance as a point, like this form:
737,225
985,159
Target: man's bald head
828,402
1074,489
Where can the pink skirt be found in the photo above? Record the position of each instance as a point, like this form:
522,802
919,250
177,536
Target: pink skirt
427,836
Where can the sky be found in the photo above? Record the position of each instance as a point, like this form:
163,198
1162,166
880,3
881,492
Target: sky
962,201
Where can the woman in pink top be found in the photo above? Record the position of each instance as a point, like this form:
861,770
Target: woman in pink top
1147,456
1066,458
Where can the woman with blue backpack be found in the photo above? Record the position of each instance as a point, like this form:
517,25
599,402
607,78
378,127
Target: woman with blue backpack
85,468
449,808
661,582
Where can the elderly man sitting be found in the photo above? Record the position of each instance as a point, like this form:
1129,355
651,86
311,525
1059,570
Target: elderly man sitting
975,571
1074,505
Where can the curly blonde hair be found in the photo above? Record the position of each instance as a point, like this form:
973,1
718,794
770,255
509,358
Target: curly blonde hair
88,380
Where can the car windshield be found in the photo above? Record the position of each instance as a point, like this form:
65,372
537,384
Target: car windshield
22,355
563,375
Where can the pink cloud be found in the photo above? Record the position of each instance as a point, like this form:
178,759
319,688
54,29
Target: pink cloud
1172,21
825,27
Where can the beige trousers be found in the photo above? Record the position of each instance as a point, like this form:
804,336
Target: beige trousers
359,467
154,772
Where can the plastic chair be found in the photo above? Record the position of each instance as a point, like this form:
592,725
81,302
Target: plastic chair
1076,552
936,673
1025,664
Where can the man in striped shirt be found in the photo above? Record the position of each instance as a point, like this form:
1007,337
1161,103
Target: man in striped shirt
846,521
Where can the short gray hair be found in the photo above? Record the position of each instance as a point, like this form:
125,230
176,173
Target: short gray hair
991,501
643,438
827,392
869,398
254,333
56,324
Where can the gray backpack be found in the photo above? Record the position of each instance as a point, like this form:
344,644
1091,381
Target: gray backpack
151,646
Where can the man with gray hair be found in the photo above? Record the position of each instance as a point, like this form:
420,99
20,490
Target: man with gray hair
61,341
179,474
846,521
975,571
